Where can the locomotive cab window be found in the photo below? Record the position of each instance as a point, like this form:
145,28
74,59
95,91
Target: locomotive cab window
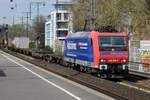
118,43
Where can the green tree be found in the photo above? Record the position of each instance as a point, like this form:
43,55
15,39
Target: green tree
80,14
130,16
16,30
105,13
138,12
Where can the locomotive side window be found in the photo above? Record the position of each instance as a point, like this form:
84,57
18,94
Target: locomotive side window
113,42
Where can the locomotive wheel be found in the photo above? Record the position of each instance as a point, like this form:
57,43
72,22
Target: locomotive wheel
82,69
66,64
77,67
99,74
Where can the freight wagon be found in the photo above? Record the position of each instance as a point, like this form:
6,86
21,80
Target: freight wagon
104,54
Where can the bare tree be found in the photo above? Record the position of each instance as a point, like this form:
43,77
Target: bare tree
39,24
39,29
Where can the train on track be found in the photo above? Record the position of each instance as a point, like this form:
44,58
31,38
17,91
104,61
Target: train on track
106,54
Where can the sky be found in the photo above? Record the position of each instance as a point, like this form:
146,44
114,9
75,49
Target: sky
20,6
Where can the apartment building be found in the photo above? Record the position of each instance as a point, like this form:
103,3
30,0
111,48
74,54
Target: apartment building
59,23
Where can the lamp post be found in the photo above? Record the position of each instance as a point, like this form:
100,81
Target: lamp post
27,23
5,33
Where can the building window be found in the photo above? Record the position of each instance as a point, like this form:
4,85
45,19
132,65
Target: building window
62,24
58,16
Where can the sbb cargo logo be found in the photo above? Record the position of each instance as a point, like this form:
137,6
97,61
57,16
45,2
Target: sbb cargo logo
71,45
83,45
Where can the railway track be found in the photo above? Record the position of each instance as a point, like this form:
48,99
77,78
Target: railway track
118,91
137,82
135,86
134,81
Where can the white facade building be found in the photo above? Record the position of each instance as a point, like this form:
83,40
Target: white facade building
59,23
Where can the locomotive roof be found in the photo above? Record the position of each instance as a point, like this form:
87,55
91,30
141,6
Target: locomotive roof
79,34
87,34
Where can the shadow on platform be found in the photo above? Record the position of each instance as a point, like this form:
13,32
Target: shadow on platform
2,73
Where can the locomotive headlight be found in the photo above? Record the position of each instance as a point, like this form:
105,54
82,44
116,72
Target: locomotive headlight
124,60
102,60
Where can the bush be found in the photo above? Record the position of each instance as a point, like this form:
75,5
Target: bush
32,45
47,48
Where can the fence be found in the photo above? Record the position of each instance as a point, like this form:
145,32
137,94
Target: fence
139,57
